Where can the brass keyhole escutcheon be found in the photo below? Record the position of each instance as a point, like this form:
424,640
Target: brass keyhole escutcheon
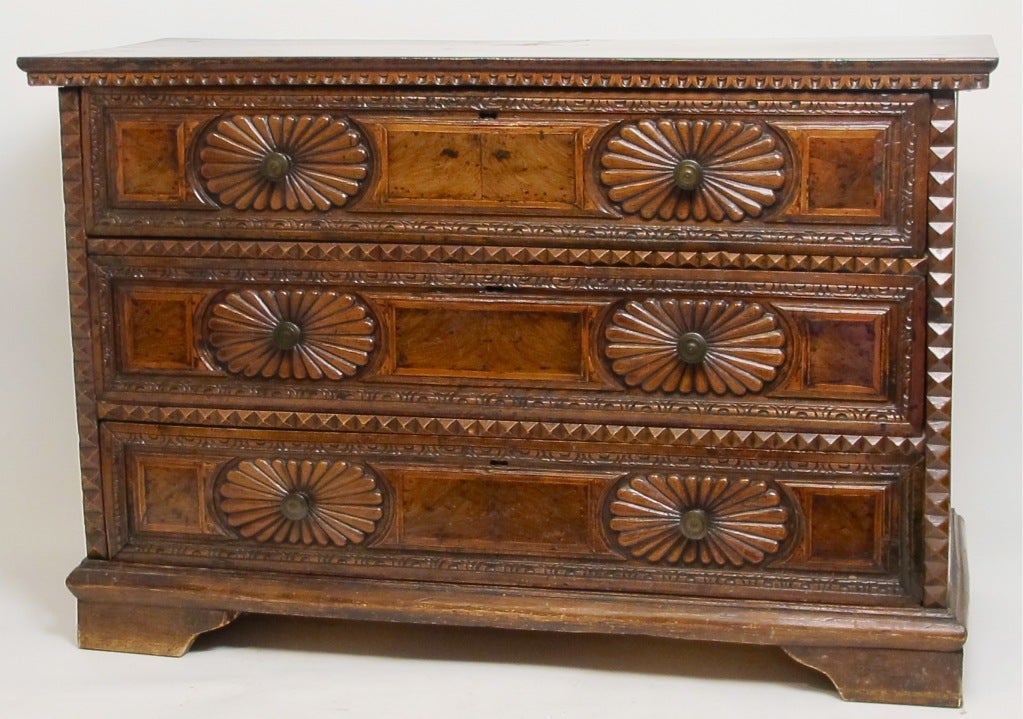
692,348
275,166
287,335
688,175
694,524
295,506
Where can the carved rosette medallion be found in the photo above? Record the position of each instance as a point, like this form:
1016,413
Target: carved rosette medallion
701,346
274,162
301,502
698,520
291,334
693,169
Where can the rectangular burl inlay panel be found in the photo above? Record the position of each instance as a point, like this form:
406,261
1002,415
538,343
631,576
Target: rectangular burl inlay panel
451,166
493,511
499,341
157,330
169,495
847,525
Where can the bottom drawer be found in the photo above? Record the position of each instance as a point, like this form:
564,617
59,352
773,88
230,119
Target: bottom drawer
639,518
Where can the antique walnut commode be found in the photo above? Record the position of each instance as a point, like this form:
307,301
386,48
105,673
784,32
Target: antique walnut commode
521,336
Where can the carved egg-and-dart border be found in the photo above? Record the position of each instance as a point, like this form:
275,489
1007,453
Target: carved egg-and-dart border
698,520
287,501
692,169
291,334
694,345
277,162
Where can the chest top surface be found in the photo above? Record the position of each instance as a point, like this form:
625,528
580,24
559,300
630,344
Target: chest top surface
819,64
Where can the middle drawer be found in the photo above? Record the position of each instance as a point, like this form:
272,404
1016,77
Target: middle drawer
785,351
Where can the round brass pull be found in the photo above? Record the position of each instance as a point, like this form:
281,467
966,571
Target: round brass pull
275,166
688,175
295,506
692,348
694,524
287,335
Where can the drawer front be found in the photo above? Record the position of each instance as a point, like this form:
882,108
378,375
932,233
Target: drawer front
773,351
717,171
506,512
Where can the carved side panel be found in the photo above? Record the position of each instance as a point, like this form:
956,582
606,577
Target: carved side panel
81,321
940,243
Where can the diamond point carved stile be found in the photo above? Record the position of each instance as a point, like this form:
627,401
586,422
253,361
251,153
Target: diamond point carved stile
698,520
274,162
702,346
81,322
693,169
301,502
938,428
292,334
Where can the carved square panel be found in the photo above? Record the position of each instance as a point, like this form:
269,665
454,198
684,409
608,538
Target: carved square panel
150,161
846,526
848,172
157,330
842,352
169,495
845,172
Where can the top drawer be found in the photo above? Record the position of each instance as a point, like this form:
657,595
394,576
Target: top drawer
672,171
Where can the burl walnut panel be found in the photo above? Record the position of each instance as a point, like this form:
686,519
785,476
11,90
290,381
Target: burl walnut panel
607,343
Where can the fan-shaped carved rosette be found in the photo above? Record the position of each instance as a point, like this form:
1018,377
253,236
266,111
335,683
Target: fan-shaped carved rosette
274,162
693,169
699,520
701,346
291,334
300,502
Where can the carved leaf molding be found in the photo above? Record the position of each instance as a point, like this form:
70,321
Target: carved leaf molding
291,334
275,162
694,345
736,169
301,502
744,521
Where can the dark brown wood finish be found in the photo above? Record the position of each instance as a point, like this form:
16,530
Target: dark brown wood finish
550,340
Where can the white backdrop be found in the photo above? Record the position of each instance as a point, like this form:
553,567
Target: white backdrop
267,667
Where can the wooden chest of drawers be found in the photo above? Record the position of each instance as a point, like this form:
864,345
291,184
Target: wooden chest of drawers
543,340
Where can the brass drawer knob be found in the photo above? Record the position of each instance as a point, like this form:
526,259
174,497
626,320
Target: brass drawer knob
287,335
692,348
693,524
295,506
688,175
275,166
